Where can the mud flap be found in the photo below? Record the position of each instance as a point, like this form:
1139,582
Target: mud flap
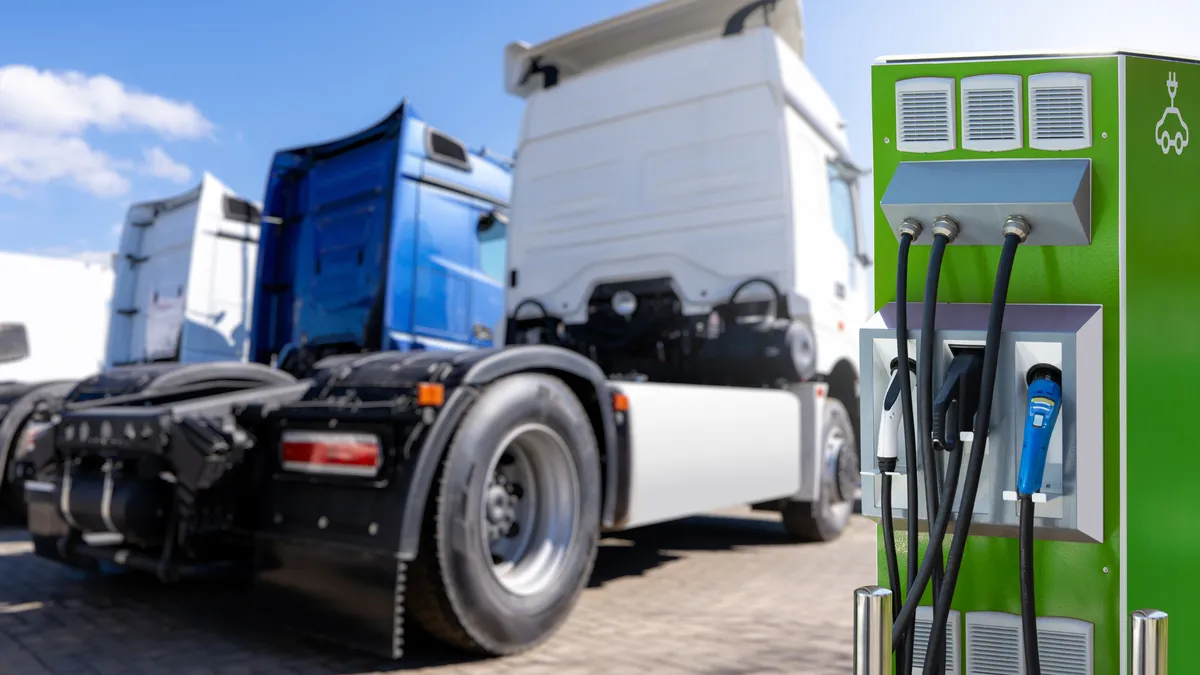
344,595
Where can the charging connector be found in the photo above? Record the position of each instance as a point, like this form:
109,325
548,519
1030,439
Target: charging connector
1043,405
891,423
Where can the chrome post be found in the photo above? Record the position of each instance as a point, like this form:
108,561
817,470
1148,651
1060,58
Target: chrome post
1148,642
872,631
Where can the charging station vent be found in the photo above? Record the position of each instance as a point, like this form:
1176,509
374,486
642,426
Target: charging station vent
995,645
991,110
922,624
925,114
1065,646
1060,111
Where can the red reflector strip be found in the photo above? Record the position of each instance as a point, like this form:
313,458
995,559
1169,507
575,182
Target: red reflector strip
335,454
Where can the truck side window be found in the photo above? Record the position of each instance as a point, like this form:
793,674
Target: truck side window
493,241
841,202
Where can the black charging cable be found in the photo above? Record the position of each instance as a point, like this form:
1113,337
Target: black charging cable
1016,231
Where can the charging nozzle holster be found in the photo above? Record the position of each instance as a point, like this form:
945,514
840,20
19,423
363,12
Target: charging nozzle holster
959,395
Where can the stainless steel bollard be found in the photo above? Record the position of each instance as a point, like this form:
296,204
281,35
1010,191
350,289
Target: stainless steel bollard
872,631
1148,642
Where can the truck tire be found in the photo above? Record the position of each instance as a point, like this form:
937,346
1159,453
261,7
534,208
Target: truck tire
826,518
524,454
48,394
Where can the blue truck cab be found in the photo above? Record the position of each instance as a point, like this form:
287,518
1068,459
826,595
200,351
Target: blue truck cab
392,238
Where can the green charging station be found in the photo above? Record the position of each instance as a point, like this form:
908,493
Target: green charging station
1044,201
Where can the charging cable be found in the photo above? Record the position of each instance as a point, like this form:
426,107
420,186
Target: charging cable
959,393
886,456
1016,231
910,229
1045,401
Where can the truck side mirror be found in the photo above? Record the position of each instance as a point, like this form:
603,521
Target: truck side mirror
14,342
489,219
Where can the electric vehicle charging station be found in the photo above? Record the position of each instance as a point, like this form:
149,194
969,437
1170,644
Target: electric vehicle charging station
1037,204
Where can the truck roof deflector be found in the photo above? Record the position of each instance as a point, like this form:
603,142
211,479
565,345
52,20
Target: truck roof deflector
1054,195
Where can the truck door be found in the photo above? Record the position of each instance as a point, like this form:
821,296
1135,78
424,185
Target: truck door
487,284
446,250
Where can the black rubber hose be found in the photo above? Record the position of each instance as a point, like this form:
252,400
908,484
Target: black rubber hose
933,276
1033,664
983,420
889,552
937,534
910,437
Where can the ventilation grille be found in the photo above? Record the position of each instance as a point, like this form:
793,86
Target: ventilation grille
922,623
1065,646
995,645
1060,111
991,106
925,114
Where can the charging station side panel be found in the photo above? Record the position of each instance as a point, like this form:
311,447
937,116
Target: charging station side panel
1075,579
1162,355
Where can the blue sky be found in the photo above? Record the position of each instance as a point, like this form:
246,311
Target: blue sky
243,79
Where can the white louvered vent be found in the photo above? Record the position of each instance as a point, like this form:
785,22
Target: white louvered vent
922,623
991,112
1060,111
995,645
925,114
1065,646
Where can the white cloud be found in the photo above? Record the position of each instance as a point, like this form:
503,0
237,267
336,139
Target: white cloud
156,162
44,116
34,159
70,102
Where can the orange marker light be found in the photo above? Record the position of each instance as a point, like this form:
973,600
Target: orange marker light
430,395
620,402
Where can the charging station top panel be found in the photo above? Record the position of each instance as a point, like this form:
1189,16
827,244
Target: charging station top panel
1054,195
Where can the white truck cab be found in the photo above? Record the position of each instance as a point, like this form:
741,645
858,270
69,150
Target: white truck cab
185,278
668,157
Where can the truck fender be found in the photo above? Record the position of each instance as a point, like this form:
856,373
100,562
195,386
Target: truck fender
576,370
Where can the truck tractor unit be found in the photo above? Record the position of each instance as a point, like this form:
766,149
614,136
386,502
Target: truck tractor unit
681,278
162,301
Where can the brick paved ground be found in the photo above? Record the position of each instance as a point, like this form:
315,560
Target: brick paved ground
719,594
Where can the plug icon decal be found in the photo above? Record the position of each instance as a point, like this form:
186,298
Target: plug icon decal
1171,119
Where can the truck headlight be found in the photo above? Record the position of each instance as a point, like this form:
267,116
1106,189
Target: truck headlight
624,303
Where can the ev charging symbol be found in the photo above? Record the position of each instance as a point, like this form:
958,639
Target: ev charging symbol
1162,131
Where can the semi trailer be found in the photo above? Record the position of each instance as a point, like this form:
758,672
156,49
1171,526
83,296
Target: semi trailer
681,274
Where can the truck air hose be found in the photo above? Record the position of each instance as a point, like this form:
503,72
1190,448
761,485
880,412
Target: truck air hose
944,231
910,230
1015,232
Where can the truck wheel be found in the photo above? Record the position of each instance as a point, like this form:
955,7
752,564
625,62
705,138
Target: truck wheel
826,518
50,395
512,526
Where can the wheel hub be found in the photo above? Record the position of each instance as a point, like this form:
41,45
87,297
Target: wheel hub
530,509
843,471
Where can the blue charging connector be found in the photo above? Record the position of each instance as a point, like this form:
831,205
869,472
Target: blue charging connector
1044,403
